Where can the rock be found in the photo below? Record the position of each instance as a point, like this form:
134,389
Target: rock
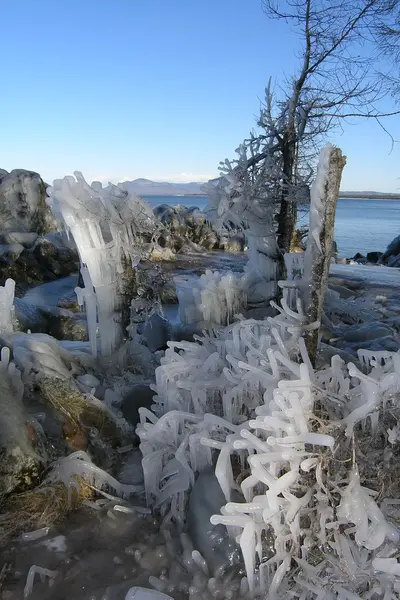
158,254
364,333
18,456
23,205
188,227
9,253
56,255
358,256
50,258
326,352
391,257
234,243
27,240
206,498
138,396
343,291
29,317
63,324
373,257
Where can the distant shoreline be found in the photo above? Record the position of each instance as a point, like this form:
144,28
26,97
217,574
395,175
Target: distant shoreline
342,195
368,196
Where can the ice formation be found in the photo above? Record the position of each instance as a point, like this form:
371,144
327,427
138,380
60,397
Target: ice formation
246,400
213,298
68,469
7,306
240,199
107,225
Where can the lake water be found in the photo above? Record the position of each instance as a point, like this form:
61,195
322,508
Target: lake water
361,225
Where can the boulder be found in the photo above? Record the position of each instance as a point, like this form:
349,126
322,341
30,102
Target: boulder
391,256
23,205
185,227
374,257
30,259
137,396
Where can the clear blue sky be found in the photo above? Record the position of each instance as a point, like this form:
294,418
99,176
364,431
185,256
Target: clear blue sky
163,89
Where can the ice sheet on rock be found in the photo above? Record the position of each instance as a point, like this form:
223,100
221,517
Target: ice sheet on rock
49,294
41,355
374,275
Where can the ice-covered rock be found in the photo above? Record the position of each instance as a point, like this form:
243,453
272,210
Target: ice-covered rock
391,257
185,225
374,257
18,458
33,259
23,203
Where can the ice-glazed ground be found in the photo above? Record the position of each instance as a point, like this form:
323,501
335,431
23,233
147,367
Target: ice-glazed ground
110,545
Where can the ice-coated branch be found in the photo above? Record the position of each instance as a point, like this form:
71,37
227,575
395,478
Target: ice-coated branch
324,195
247,200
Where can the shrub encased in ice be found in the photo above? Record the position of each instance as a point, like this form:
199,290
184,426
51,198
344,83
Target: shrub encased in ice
107,225
214,298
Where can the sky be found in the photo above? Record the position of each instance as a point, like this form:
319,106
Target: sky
162,89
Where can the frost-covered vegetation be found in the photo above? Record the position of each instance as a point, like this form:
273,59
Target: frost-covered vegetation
246,457
107,226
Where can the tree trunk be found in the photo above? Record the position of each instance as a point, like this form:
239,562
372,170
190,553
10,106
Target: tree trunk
287,219
324,195
287,216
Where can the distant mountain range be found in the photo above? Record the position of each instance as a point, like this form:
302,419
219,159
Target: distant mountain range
146,187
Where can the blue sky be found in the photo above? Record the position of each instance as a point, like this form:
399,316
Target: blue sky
163,89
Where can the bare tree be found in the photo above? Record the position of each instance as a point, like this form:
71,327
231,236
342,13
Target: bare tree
387,36
335,79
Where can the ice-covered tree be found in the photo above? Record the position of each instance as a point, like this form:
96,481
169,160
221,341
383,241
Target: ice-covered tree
335,78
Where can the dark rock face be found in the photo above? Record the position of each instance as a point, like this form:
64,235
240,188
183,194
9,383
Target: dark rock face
138,396
391,257
23,205
373,257
47,259
185,226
